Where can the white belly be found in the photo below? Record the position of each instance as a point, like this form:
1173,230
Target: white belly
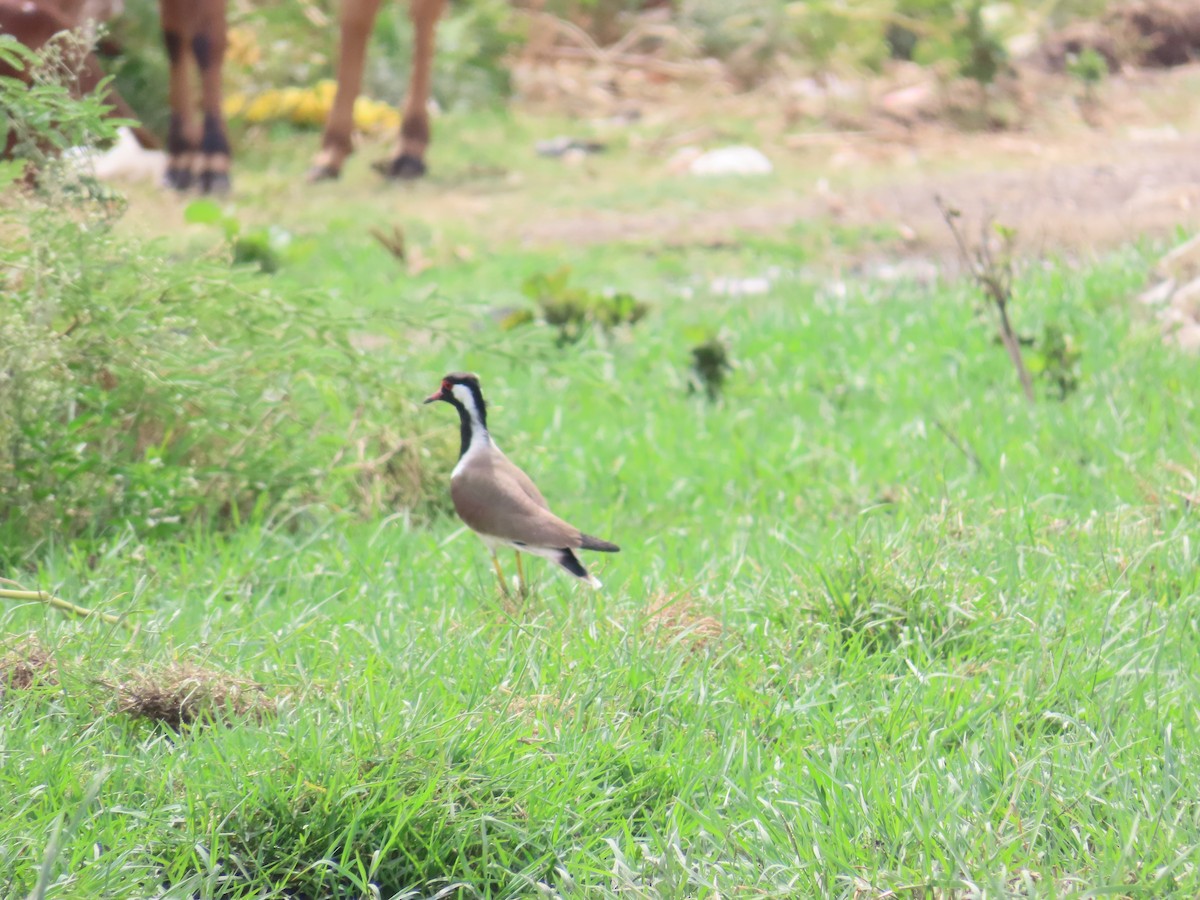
494,543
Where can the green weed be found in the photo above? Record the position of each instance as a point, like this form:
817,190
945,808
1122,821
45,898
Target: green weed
710,367
571,309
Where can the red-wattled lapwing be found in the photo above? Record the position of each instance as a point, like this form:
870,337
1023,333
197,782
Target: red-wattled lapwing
498,501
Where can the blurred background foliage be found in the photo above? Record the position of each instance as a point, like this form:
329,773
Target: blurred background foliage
280,45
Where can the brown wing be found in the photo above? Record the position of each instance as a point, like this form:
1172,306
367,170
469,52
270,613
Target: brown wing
492,501
502,464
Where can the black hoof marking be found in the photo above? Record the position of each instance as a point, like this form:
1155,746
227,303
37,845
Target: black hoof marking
323,173
404,167
214,183
179,179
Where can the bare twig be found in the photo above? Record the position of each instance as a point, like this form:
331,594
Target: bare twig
65,606
661,31
634,61
959,444
582,46
393,243
570,31
993,274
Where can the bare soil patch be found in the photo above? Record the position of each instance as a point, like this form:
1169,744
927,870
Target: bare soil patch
1071,175
1123,189
1131,189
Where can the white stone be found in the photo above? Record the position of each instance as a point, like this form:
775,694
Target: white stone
736,160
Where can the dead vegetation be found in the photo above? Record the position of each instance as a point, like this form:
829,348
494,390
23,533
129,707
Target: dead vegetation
989,262
679,619
176,694
183,693
27,664
1175,295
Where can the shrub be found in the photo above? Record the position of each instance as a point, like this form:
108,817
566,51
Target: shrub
572,309
710,367
138,391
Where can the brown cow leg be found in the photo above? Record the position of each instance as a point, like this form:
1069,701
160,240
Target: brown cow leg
182,137
409,159
208,46
196,29
358,18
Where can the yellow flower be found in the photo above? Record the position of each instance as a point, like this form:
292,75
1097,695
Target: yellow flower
263,108
374,116
325,90
289,99
233,105
310,110
242,48
310,107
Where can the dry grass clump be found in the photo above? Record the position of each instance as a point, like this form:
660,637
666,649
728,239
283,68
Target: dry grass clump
531,704
677,618
535,710
183,693
25,665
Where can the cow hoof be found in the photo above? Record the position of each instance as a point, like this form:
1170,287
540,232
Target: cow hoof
179,179
322,172
404,167
214,183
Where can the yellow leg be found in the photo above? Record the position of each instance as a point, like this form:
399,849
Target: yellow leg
499,574
520,575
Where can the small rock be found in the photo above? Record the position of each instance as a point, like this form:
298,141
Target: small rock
740,287
681,160
1159,294
910,269
564,146
737,160
1187,298
620,118
1163,134
909,104
1183,262
1187,337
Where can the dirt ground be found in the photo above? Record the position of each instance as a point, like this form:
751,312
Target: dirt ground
1063,184
1064,181
1124,189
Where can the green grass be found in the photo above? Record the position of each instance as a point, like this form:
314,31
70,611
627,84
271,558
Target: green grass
876,625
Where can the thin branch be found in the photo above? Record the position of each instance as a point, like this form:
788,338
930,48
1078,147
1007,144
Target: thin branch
631,61
65,605
1013,346
959,444
994,277
393,243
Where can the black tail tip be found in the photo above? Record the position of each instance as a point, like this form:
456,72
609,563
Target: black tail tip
588,542
571,563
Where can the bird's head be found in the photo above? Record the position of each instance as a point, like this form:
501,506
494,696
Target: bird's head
460,389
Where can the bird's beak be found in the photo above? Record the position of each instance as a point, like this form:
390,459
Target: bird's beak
436,395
